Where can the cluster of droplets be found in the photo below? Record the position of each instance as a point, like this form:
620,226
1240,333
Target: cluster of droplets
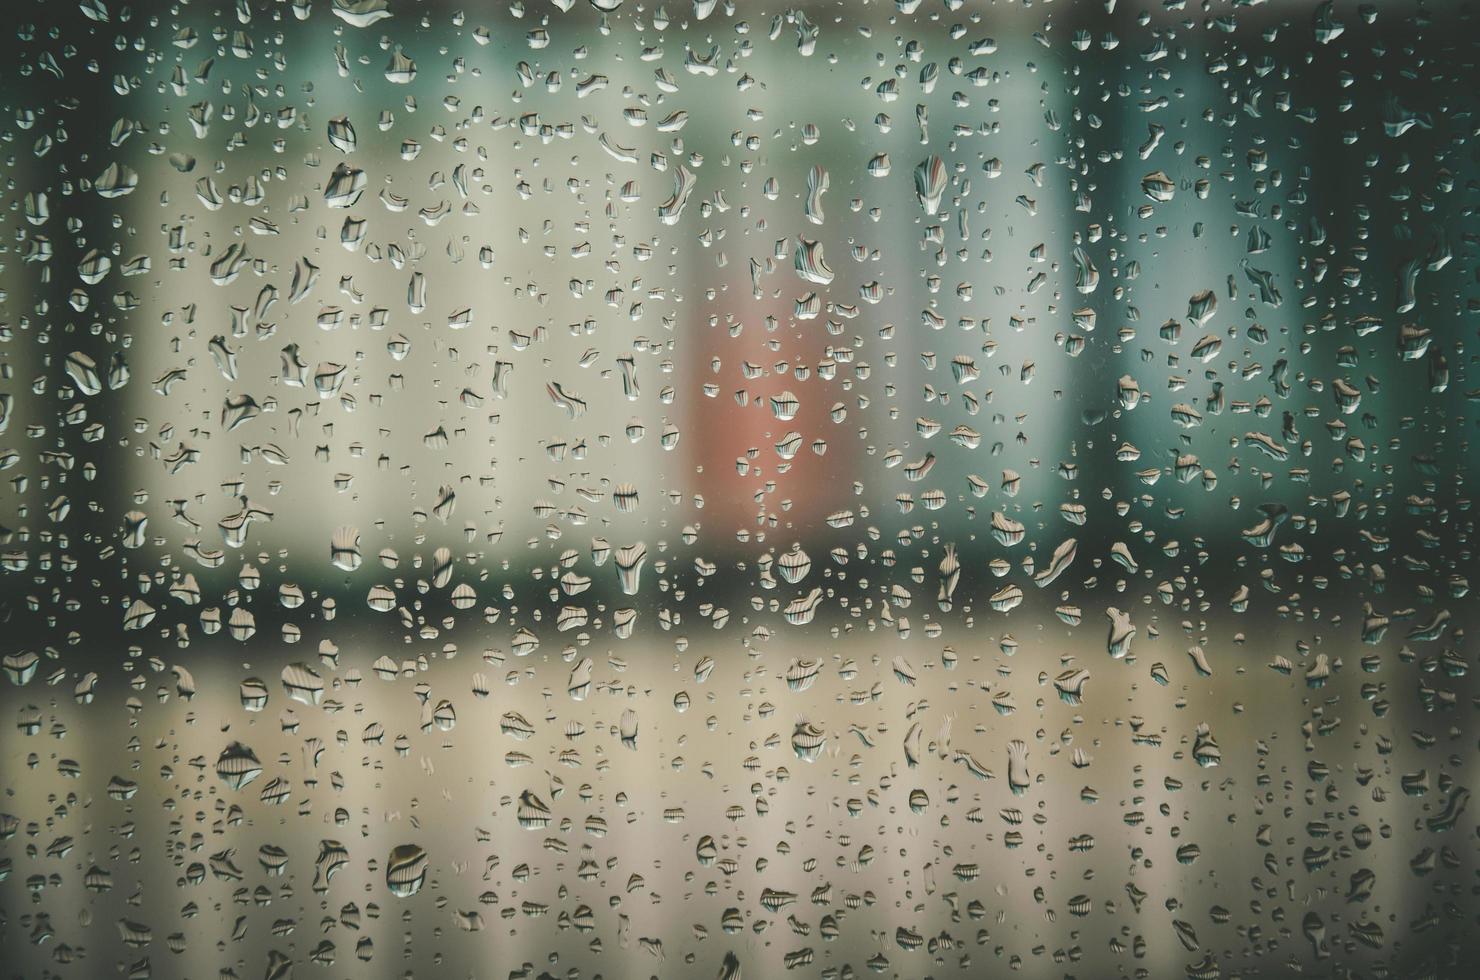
628,385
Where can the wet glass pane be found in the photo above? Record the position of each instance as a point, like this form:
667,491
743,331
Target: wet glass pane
584,488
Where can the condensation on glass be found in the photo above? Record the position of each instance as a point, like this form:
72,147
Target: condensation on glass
575,488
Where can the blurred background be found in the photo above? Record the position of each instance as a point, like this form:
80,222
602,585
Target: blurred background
343,354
